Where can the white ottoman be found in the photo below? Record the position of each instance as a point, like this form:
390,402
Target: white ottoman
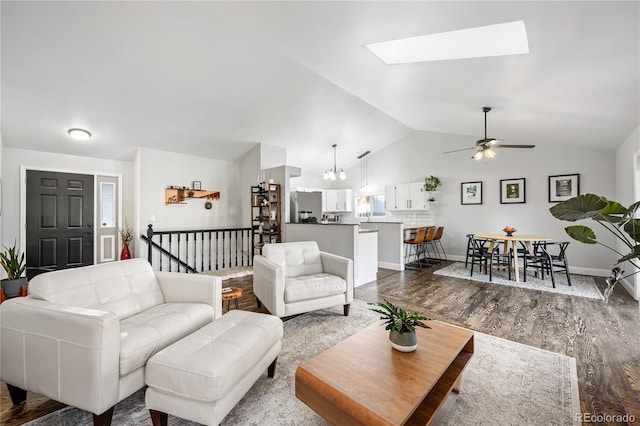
204,375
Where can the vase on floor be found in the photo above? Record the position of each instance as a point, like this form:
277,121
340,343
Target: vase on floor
125,253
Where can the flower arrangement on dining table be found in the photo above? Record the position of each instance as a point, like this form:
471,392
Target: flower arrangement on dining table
509,230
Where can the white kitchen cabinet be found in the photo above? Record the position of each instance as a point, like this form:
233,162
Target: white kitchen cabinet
406,196
337,200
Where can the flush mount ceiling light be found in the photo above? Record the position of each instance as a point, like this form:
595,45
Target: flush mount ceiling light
331,174
492,40
79,134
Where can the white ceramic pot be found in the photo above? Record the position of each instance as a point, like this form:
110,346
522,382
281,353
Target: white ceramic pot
403,342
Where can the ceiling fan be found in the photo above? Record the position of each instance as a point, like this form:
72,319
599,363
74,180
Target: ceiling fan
483,146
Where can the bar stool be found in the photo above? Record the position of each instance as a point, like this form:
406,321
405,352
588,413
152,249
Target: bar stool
429,241
437,240
415,245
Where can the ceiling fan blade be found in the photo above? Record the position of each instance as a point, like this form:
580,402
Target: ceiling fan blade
458,150
513,146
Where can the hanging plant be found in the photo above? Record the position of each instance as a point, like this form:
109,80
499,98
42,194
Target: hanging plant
431,183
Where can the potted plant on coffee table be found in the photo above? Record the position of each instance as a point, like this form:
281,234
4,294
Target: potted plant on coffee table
401,325
14,265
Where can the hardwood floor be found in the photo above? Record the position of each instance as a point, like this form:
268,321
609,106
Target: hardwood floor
603,338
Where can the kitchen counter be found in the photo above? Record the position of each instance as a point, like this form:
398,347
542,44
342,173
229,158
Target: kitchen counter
344,239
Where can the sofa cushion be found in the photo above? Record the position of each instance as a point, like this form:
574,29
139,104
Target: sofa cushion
207,364
314,286
147,332
124,288
297,258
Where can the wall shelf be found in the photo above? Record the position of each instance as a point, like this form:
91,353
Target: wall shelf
180,195
265,215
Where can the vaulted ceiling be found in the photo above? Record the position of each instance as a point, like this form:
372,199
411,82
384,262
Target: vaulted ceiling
215,78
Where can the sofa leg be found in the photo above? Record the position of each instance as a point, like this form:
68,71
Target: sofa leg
159,418
103,419
259,303
346,309
271,371
18,395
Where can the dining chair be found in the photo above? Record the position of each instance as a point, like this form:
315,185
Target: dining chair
556,254
469,249
415,246
489,260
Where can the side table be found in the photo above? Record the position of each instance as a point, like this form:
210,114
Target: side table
229,294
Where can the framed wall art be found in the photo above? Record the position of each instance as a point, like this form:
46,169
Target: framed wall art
471,193
563,187
512,191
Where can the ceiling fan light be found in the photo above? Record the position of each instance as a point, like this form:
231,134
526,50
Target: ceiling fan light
326,175
332,175
342,175
477,155
492,142
488,153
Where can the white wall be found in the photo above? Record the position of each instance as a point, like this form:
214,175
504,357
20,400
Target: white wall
160,169
272,156
419,154
628,191
12,161
249,171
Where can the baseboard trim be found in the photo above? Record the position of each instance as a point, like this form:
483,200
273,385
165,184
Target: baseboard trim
392,266
630,288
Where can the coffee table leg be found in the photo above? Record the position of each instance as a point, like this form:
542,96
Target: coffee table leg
457,385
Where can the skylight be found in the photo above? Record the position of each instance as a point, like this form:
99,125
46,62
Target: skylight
493,40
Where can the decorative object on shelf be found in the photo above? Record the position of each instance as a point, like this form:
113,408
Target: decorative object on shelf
177,194
208,205
509,230
14,265
431,183
563,187
265,214
471,193
126,236
512,191
615,218
331,174
401,325
196,185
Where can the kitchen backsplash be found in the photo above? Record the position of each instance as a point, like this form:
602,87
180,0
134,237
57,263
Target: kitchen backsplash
426,217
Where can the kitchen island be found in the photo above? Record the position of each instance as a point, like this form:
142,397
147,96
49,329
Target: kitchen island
348,240
391,236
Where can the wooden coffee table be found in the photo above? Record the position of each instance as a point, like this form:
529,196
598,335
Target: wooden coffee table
363,381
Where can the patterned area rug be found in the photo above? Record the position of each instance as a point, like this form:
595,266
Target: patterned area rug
228,273
581,285
504,382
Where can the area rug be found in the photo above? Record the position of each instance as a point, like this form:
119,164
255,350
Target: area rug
504,382
581,285
228,273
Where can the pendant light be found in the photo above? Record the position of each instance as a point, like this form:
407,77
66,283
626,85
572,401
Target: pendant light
332,174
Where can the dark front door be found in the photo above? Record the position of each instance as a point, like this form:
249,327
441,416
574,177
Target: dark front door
59,221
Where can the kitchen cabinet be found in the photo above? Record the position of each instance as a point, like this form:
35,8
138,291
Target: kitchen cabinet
406,196
337,200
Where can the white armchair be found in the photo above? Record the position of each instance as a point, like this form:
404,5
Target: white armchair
292,278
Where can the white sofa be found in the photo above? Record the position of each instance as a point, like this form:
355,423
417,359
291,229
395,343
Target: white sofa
83,336
296,277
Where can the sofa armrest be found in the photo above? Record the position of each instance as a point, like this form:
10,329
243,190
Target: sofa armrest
268,284
340,266
191,288
66,353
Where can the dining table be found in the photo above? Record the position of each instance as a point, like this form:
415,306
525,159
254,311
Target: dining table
514,240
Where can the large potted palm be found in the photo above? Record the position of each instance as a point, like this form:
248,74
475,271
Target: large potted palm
617,219
14,265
